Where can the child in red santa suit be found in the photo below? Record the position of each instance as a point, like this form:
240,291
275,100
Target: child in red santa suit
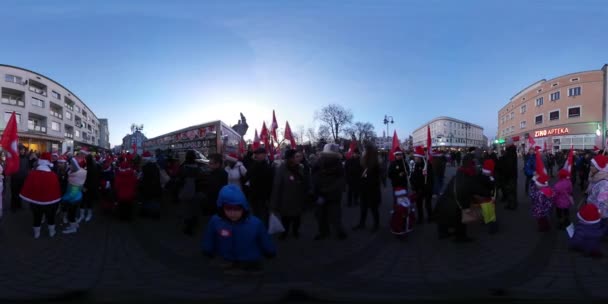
42,191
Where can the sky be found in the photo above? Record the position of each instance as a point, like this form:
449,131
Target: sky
173,64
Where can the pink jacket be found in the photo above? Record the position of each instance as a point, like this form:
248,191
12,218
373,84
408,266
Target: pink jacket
563,191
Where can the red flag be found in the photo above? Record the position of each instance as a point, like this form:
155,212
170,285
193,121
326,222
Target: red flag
264,136
9,143
351,149
289,135
256,140
429,156
274,126
395,148
570,161
531,141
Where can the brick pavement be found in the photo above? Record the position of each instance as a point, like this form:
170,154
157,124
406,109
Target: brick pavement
108,260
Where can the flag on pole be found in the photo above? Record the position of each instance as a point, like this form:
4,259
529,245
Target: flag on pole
531,141
9,143
264,136
351,148
274,126
429,156
256,140
289,136
395,147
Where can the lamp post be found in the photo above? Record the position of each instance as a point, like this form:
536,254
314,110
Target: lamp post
387,120
466,126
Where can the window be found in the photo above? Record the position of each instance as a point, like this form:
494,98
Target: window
555,84
77,109
11,99
13,78
574,91
512,115
55,126
539,101
539,90
574,112
37,102
35,125
555,96
574,79
68,115
522,110
56,95
76,133
538,119
7,116
522,125
37,90
554,115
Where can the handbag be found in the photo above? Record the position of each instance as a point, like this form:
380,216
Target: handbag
470,215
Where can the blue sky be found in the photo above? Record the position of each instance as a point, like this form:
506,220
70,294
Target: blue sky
172,64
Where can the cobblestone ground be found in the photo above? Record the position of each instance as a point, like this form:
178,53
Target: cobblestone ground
152,260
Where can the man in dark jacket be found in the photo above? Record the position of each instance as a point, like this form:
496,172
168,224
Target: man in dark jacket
18,178
215,180
259,177
398,171
328,185
422,184
507,175
353,177
438,164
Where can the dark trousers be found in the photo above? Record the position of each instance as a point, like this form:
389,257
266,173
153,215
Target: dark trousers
563,216
509,193
291,222
368,203
259,207
329,213
424,200
88,198
527,185
438,184
354,195
71,209
48,210
125,210
16,186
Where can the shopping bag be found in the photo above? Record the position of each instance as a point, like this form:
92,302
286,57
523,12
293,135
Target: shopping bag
275,225
488,212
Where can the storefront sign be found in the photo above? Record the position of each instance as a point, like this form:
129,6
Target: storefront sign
549,132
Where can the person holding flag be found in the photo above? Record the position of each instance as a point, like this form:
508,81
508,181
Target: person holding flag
422,185
17,162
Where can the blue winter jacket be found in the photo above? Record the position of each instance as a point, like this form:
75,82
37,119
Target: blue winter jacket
530,165
244,240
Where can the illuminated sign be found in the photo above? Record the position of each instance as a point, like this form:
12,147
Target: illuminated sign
549,132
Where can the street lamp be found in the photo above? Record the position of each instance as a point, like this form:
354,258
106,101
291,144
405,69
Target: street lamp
466,126
387,120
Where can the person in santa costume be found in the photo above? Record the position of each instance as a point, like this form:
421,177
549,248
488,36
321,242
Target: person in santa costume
42,191
588,232
563,198
488,197
125,187
597,193
541,195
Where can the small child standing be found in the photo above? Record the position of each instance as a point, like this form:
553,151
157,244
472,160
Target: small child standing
237,236
541,195
588,232
488,204
563,198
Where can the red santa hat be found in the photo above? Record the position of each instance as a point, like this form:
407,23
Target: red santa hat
419,151
563,173
398,151
488,167
541,178
232,157
45,156
599,162
589,214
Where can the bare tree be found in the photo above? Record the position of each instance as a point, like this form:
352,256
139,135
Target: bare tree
335,118
300,131
323,132
312,135
361,131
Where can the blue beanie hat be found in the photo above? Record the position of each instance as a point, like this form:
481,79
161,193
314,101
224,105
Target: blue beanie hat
232,195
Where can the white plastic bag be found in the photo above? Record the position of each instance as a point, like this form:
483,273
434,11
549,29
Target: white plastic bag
275,225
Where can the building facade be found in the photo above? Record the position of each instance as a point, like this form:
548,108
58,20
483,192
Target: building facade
104,134
566,111
49,116
134,142
448,132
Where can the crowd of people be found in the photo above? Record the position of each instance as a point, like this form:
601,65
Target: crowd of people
242,193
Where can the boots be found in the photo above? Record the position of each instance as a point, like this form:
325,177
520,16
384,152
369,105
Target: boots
52,231
89,215
36,232
80,216
72,229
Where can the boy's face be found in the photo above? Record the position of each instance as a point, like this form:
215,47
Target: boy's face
233,213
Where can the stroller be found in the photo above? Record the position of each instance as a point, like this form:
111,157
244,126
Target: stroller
403,215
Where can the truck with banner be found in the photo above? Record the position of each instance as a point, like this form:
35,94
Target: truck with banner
206,138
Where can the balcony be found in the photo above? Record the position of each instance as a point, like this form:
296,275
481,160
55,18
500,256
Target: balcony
56,114
37,87
12,97
37,128
69,135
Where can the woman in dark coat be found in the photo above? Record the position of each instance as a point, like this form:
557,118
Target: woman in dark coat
290,192
370,182
461,190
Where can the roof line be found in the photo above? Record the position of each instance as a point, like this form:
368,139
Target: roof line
446,117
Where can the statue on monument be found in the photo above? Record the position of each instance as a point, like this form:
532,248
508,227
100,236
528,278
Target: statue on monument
241,127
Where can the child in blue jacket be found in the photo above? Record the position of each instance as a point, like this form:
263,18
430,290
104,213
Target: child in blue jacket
240,238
